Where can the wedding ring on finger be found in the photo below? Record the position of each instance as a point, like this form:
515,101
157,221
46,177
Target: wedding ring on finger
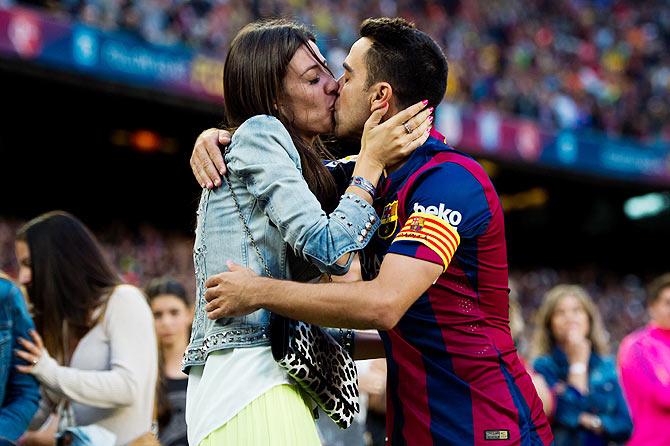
408,129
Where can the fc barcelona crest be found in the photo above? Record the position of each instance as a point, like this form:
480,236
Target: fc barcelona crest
389,221
416,224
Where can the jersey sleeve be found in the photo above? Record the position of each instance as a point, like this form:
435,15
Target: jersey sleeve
445,205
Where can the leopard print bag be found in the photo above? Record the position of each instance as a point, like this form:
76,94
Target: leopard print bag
311,356
319,364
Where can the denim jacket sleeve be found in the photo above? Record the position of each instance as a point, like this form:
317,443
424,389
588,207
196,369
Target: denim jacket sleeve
22,392
263,156
568,401
617,425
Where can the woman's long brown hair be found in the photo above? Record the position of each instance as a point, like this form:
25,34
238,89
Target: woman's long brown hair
253,84
70,277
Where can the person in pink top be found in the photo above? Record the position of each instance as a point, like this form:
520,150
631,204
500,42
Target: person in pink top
644,368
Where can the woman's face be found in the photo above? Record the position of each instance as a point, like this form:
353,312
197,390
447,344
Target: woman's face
25,268
659,309
309,95
172,318
569,316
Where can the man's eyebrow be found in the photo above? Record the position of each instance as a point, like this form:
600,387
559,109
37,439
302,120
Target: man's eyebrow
347,67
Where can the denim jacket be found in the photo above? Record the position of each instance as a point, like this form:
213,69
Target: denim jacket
287,224
19,393
604,399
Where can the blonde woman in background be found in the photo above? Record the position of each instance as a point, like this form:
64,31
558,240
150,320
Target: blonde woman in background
570,346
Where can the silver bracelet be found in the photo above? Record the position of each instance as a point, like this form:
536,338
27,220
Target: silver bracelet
364,184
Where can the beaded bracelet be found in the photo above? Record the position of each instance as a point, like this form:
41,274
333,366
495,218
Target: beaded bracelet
364,184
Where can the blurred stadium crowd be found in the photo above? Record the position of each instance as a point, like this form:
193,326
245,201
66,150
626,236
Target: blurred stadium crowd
139,256
568,64
149,253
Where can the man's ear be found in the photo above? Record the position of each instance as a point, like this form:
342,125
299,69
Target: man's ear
380,93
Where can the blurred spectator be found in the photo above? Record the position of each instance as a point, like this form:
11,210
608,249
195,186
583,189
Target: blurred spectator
570,344
570,64
372,382
644,364
516,326
146,252
330,434
619,297
99,353
369,427
19,394
173,315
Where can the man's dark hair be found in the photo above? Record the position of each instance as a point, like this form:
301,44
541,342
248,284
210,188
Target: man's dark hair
407,58
656,287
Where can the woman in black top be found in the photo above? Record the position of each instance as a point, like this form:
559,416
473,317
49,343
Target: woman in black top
173,315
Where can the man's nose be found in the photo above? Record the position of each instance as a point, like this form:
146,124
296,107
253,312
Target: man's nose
333,87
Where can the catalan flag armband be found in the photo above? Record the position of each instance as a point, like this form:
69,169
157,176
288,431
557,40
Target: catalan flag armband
432,232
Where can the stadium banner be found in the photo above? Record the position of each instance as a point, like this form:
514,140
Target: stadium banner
488,134
114,56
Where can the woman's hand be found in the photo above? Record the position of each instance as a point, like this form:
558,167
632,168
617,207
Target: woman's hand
577,348
578,351
44,436
391,142
37,439
591,422
206,160
387,144
32,352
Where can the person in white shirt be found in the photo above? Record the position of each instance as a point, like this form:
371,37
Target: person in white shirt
97,348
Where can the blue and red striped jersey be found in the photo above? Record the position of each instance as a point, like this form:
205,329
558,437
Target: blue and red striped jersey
454,376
